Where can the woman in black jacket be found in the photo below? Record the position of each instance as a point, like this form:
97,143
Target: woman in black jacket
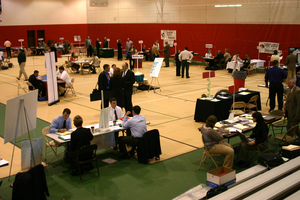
260,134
117,85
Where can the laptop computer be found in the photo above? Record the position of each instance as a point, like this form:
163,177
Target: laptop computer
244,138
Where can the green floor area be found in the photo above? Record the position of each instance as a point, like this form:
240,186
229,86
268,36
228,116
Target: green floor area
125,179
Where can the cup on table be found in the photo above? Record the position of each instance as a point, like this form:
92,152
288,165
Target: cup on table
115,123
92,129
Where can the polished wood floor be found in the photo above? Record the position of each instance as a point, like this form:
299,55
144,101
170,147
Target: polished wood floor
170,110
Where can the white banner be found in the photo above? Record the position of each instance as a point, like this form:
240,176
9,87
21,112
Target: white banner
268,47
156,67
168,34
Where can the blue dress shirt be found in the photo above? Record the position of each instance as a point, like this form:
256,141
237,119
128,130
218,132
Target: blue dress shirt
275,75
58,123
137,125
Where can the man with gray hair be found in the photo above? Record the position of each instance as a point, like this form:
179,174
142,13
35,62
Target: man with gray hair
292,105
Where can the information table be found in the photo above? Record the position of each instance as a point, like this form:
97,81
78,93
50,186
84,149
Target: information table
107,52
220,107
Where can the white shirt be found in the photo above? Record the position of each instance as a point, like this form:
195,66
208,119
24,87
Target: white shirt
236,58
124,73
112,113
65,76
208,55
111,72
185,55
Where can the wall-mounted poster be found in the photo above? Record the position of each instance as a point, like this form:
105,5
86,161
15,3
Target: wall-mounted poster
168,34
268,47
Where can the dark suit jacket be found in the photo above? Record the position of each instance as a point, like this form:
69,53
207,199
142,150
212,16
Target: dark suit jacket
129,79
102,81
167,50
219,57
291,62
79,138
105,44
117,85
97,44
292,105
36,83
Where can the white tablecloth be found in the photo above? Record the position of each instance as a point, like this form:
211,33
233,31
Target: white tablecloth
260,63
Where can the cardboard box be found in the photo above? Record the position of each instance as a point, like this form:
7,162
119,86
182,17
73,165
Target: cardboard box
213,180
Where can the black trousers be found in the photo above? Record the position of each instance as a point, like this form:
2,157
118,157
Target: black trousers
186,65
131,61
128,102
133,142
178,66
276,88
90,51
8,51
98,52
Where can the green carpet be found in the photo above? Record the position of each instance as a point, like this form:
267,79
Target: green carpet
126,179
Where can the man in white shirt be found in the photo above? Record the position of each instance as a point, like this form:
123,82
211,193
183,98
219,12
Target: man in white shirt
185,58
63,75
111,71
236,57
115,113
138,128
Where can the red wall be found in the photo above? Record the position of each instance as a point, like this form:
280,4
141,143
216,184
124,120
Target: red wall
236,37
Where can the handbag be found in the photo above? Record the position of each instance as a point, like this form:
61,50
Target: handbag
96,94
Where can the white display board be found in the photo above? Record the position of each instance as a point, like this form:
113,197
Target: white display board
26,156
15,117
51,78
168,35
268,47
156,67
104,118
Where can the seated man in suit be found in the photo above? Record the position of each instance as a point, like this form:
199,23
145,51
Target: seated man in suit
37,83
218,58
61,123
137,126
79,138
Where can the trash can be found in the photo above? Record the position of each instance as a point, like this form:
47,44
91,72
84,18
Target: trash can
239,79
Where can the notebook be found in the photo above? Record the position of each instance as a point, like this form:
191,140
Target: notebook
244,138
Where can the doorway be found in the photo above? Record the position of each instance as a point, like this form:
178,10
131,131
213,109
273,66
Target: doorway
31,38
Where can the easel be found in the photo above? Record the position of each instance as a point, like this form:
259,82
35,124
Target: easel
150,86
27,119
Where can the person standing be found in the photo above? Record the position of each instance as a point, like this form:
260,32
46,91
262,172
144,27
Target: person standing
90,47
178,63
185,57
117,85
132,51
7,45
111,71
166,53
86,45
144,53
291,61
137,126
120,57
154,51
104,83
292,104
128,46
22,63
105,43
275,76
129,79
53,48
98,47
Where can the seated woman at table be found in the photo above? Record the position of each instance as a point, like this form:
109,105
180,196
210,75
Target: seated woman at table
74,66
227,55
246,63
213,141
209,55
260,134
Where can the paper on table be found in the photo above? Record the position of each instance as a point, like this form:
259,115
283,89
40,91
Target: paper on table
3,162
64,133
113,128
232,129
244,93
65,137
215,100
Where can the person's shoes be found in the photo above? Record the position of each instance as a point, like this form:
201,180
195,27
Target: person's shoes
94,73
188,77
62,94
177,75
124,156
26,79
182,77
17,78
77,72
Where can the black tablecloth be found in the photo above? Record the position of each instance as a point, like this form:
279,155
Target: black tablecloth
205,108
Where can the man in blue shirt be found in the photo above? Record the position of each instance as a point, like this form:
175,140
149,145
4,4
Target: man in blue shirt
61,123
137,126
275,76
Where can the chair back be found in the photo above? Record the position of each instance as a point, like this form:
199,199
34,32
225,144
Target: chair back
279,113
239,105
292,131
45,131
87,152
72,81
30,85
253,99
205,147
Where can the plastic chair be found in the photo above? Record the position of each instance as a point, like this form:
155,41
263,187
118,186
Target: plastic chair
53,145
207,153
288,137
278,124
70,88
252,103
87,155
238,108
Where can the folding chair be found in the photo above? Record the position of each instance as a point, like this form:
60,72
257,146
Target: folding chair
70,88
288,137
53,145
83,157
207,153
20,86
259,151
278,124
238,108
252,103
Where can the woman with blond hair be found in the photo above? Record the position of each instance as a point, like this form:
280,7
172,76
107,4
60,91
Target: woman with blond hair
227,55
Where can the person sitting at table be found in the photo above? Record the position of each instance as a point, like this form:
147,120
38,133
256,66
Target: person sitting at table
207,56
218,59
144,53
95,63
74,66
213,141
61,123
260,134
247,61
37,83
227,55
137,126
79,138
63,75
44,45
236,57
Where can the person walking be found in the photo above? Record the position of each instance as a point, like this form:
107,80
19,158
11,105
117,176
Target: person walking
22,63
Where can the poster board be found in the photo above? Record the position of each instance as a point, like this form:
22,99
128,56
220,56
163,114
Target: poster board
26,153
168,34
268,47
156,67
51,78
15,113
